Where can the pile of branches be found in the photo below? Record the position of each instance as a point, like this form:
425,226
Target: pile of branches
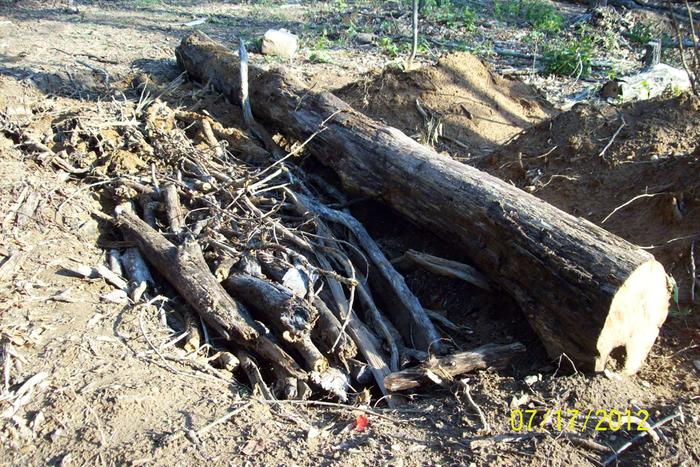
271,269
274,269
275,265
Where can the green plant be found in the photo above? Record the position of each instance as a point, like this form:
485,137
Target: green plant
340,5
449,14
569,58
389,47
542,16
539,14
506,10
677,312
320,57
641,33
146,3
322,41
469,19
481,50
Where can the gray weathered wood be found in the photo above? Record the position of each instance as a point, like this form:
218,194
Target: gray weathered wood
186,270
291,316
446,368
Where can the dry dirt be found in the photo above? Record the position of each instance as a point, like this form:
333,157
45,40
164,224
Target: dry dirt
478,109
653,158
108,397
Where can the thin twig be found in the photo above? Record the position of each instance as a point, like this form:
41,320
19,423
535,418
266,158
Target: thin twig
165,360
645,195
207,428
465,385
696,47
692,271
681,50
641,435
414,46
617,132
336,405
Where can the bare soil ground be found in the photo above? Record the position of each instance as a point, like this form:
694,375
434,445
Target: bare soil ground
112,390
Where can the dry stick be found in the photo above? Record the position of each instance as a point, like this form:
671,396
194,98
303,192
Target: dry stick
11,214
332,330
374,312
254,127
245,98
414,47
338,406
351,302
211,139
641,435
692,271
486,356
482,417
100,271
482,442
413,317
26,212
176,221
645,195
251,370
359,333
13,263
289,315
617,132
173,209
207,428
436,316
325,232
681,49
153,347
135,266
444,267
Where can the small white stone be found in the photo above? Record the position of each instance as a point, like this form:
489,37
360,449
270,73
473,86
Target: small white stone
280,43
532,379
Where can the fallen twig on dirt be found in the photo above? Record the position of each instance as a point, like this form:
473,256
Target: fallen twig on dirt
693,275
612,139
631,442
443,369
464,384
627,203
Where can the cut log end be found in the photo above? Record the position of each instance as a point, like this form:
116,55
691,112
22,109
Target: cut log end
638,310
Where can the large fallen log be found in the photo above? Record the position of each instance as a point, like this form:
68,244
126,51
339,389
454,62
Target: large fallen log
585,291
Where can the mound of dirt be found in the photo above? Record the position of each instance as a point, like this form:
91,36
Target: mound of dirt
478,109
632,170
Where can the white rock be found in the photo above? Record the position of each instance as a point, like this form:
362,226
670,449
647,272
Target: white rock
518,401
280,43
532,379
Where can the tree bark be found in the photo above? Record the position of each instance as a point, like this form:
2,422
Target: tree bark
291,316
585,291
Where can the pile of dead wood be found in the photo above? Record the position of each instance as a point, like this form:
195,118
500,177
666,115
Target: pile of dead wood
254,247
284,278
